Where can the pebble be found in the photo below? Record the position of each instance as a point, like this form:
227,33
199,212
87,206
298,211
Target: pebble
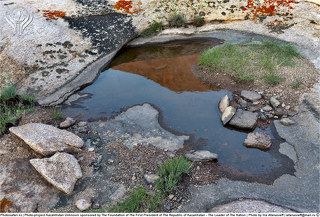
274,102
151,178
171,196
267,108
68,122
83,204
91,149
82,124
287,122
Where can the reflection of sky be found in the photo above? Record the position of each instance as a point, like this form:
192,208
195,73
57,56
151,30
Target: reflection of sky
189,112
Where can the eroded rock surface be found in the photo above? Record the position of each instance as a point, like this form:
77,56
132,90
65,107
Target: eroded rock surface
139,125
249,206
46,139
62,170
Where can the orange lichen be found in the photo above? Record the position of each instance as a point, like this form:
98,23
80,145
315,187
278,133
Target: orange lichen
269,7
128,6
5,205
53,15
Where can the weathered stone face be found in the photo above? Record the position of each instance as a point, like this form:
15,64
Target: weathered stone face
61,170
45,139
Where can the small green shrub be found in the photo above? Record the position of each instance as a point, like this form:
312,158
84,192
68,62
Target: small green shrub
171,172
177,21
198,21
153,29
57,114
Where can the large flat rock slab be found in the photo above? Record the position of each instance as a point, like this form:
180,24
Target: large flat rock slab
249,206
62,170
46,139
139,125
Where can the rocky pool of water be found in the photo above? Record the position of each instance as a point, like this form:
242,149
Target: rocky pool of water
161,75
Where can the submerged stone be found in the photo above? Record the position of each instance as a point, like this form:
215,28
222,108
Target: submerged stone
139,125
258,140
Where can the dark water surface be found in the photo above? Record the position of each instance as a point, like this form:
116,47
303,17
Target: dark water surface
161,75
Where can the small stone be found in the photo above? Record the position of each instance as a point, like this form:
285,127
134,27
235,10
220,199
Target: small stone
244,119
267,108
227,114
201,156
242,103
110,161
171,196
258,140
167,206
82,124
224,103
151,178
250,95
133,178
83,204
287,107
283,105
287,121
91,149
62,170
68,122
256,103
274,102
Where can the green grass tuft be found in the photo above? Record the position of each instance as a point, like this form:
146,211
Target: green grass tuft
13,106
170,173
248,62
8,93
57,114
133,203
177,21
153,29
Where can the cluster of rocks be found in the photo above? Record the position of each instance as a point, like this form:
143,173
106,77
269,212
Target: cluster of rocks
58,167
244,113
